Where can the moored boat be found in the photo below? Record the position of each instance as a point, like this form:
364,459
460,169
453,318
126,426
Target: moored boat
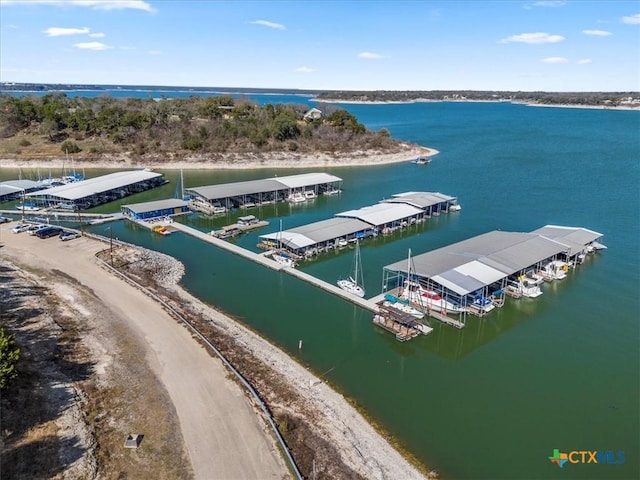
354,284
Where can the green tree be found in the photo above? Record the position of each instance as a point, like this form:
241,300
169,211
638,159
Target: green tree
9,356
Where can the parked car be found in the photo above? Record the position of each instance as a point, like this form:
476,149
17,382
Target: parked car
5,219
34,227
68,235
47,232
21,227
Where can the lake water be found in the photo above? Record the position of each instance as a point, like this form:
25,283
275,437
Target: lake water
493,400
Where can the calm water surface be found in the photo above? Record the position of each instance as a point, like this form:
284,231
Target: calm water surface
493,400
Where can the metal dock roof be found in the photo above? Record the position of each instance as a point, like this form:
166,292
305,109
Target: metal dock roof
212,192
466,266
156,205
92,186
420,199
318,232
382,213
574,237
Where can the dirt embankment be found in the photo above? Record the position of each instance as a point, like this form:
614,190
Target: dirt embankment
113,390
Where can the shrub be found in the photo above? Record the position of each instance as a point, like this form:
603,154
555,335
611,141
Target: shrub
9,356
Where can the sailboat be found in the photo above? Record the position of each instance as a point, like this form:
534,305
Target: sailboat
281,256
354,283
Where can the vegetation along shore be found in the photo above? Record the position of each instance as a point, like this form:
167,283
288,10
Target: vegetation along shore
220,131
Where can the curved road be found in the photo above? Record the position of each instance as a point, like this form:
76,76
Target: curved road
224,437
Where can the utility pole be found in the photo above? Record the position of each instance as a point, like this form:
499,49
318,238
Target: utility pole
111,244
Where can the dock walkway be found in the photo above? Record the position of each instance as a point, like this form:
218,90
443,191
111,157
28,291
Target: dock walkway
261,259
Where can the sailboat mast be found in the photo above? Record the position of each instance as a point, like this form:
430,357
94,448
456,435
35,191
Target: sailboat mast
181,185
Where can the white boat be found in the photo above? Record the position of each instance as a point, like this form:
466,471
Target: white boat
296,197
331,191
424,298
534,278
524,289
455,207
422,160
354,283
555,270
309,194
283,259
405,308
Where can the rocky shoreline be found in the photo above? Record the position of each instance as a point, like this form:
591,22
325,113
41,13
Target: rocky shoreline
235,161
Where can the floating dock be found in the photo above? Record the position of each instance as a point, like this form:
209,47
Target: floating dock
403,325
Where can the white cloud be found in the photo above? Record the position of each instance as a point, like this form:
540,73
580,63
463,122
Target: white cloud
94,4
545,3
97,35
533,38
632,19
597,33
91,46
266,23
585,61
154,52
61,32
549,3
554,60
370,55
305,69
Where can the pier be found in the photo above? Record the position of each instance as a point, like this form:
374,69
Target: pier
263,260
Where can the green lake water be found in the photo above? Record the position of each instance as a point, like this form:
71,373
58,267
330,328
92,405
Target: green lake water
490,401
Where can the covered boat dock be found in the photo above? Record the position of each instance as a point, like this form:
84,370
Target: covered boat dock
157,209
314,238
432,203
263,191
15,189
473,276
92,192
382,218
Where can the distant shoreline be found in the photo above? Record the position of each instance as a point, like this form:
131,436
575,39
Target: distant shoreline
427,100
233,162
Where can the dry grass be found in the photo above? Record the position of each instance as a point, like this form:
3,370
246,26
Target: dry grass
61,347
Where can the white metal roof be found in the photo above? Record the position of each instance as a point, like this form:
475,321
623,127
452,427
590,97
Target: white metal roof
468,277
468,265
307,179
576,238
20,184
420,199
250,187
92,186
382,213
290,239
318,232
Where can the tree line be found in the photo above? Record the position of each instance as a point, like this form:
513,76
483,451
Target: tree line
204,125
603,99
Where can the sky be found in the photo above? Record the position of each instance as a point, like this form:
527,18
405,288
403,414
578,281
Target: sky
512,45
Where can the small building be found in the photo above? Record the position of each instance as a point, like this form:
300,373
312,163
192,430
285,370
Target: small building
158,209
313,114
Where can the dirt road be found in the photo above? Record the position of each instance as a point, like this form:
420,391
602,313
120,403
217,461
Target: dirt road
224,437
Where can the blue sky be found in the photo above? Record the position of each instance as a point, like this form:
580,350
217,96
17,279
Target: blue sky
573,45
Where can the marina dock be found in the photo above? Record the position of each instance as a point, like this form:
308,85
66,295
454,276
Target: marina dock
262,259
